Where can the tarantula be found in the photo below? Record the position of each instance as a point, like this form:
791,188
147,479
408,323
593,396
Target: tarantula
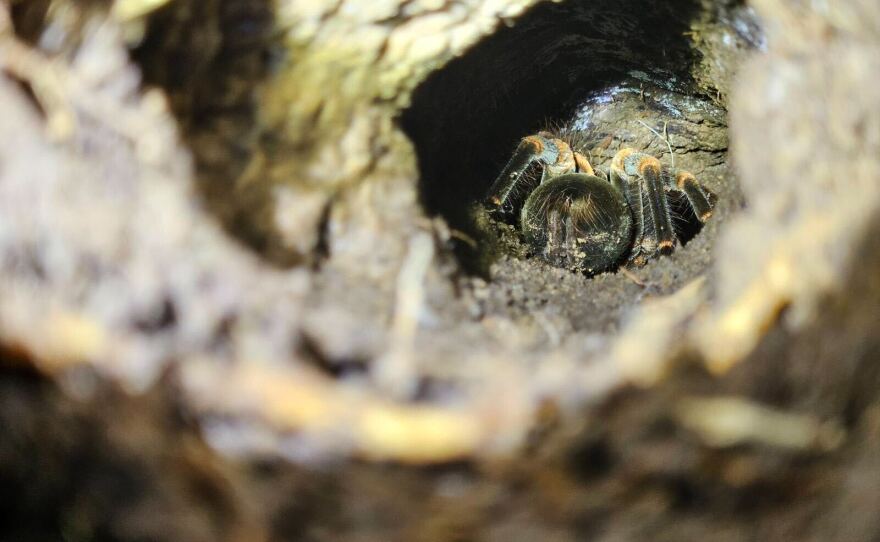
577,220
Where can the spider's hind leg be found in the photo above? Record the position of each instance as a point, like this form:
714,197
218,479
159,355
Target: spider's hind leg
700,199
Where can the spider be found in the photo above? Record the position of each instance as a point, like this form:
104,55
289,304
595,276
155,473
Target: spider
577,220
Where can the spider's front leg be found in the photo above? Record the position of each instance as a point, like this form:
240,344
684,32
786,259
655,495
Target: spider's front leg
639,177
554,154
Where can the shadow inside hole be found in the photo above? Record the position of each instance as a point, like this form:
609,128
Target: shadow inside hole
465,119
210,58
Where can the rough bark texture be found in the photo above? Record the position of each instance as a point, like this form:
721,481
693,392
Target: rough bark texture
246,292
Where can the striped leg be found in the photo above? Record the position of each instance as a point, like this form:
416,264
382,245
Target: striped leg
698,197
534,148
648,202
649,170
633,196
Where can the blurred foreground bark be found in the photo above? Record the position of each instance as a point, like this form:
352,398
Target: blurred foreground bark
209,283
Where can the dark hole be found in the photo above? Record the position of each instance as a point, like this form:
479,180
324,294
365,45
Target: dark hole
28,18
158,319
551,67
684,492
591,459
684,220
310,349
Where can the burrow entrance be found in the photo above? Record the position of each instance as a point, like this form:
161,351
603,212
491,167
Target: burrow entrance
649,75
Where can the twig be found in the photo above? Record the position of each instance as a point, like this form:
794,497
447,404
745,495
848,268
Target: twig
725,421
395,370
668,146
665,139
462,236
129,10
632,276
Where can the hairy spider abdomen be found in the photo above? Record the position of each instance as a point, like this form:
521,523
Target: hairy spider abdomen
578,221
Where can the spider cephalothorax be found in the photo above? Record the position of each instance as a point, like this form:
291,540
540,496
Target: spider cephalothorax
577,220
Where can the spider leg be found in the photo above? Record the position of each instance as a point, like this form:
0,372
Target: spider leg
582,165
645,243
567,161
699,198
657,222
534,148
618,178
557,233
